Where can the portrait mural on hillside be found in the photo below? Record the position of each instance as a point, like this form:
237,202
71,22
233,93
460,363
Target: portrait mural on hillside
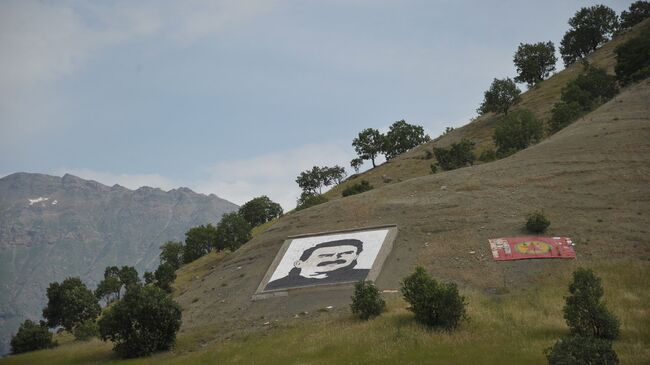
330,258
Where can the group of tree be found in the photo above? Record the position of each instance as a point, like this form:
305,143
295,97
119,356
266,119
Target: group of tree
141,319
401,137
232,231
592,326
434,304
590,28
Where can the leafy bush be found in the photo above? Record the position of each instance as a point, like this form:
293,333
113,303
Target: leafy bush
563,114
487,155
434,304
434,168
143,322
536,222
357,188
590,89
633,58
366,301
581,350
584,312
517,131
86,330
456,156
31,337
308,200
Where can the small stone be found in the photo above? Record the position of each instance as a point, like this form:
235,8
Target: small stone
472,252
267,323
444,187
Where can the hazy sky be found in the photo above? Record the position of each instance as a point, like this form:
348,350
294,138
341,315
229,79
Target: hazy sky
236,97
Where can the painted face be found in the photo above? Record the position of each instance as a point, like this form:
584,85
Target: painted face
326,259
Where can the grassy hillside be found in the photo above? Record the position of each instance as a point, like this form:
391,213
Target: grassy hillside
504,328
593,181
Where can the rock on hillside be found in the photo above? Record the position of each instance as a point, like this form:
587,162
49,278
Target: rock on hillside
53,227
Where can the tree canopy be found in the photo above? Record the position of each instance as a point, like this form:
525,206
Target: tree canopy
502,94
199,241
312,181
172,253
143,322
534,62
403,136
260,210
70,303
590,28
638,11
368,145
633,59
232,232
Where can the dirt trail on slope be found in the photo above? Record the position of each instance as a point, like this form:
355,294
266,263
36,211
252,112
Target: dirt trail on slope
592,179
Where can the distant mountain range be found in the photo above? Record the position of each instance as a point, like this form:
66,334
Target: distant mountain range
54,227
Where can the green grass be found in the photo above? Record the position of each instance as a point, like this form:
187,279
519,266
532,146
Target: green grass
510,328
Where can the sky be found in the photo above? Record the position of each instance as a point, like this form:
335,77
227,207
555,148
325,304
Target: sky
235,97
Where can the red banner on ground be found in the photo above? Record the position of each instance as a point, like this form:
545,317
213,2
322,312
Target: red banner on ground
519,248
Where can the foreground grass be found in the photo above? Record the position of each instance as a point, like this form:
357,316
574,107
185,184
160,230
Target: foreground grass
511,328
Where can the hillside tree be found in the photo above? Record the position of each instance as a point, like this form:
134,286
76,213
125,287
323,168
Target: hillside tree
172,253
590,28
633,59
403,136
260,210
232,232
534,62
70,303
585,313
500,97
164,276
368,145
143,322
638,12
199,241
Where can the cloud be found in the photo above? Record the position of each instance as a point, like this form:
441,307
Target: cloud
271,174
44,42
